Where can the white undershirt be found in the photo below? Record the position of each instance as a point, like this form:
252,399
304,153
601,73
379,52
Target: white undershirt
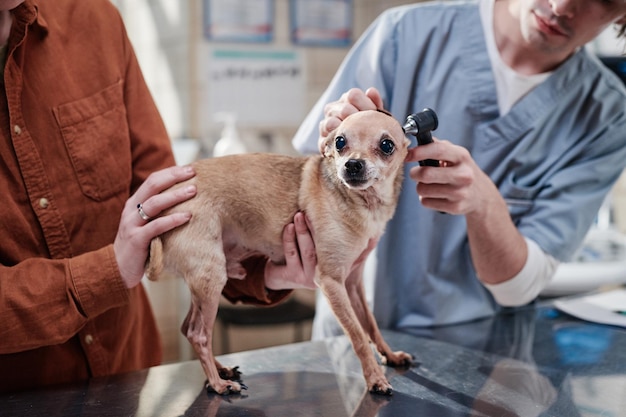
511,86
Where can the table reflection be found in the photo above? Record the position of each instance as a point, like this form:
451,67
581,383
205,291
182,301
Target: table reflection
524,362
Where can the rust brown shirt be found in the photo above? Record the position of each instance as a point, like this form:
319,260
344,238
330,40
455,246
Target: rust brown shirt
79,132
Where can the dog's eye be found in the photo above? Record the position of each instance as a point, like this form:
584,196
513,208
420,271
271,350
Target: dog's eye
340,142
387,146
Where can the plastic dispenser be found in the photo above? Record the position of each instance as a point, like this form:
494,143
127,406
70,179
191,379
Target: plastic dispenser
229,143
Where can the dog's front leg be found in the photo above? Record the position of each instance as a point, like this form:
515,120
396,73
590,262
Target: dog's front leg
356,291
337,295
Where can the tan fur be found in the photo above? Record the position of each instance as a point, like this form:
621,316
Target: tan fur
244,202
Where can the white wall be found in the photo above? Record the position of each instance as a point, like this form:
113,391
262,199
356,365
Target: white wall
168,40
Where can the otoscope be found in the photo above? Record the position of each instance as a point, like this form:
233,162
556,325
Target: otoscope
420,125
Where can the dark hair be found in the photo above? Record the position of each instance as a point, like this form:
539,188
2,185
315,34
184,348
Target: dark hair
621,30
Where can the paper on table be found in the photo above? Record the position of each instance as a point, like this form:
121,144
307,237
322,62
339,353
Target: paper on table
605,307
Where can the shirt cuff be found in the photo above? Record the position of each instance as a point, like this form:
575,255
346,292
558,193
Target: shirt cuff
528,283
97,281
251,289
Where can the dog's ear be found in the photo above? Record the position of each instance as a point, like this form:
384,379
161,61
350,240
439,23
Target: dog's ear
327,144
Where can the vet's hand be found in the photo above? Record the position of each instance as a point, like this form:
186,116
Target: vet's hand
457,186
135,232
300,257
352,101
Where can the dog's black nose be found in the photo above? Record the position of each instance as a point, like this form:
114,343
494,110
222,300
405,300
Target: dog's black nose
354,166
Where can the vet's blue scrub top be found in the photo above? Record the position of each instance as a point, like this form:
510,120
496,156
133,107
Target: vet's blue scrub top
553,157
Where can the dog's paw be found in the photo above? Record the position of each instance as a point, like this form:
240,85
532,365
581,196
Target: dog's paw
399,359
382,389
377,383
227,387
232,374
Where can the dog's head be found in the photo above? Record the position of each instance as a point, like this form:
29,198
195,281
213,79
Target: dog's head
367,147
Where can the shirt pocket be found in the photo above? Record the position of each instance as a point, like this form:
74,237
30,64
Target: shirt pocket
97,140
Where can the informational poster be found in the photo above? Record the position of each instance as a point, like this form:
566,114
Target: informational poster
261,87
321,22
239,20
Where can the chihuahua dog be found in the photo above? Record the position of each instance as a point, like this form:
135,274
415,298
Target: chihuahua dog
243,203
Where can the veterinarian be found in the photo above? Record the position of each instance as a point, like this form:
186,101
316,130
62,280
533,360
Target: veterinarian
532,135
80,135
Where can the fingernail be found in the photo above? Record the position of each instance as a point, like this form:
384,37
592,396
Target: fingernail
188,169
191,189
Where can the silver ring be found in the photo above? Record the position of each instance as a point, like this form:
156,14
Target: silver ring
143,213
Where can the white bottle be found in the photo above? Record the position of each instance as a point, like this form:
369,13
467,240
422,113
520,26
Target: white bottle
229,143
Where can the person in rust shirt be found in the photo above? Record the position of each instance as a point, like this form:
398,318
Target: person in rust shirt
81,145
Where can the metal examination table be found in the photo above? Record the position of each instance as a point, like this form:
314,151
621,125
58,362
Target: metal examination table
533,361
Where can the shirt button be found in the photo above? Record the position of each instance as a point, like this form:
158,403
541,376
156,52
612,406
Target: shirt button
89,339
44,203
17,129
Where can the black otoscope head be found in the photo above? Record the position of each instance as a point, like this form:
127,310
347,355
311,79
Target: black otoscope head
421,125
421,122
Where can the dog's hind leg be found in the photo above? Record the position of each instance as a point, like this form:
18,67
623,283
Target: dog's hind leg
198,328
224,372
339,300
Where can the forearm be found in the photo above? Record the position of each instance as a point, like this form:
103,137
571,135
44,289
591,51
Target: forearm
497,248
46,302
529,282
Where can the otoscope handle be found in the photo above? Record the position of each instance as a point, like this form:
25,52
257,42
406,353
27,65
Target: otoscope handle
420,125
424,139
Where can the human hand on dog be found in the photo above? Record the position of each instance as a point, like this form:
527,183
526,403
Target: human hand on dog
134,234
300,258
350,102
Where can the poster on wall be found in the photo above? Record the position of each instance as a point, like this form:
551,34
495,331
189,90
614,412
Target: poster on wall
239,20
259,87
321,22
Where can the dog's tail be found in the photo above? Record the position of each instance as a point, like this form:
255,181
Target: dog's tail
154,264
